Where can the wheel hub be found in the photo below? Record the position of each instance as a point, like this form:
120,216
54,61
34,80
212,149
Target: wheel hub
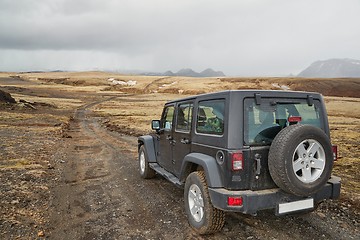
142,162
196,203
309,160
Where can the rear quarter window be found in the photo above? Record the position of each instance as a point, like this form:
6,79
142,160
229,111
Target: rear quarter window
210,117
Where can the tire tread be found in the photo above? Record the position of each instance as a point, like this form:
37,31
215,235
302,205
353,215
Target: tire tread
278,163
216,219
149,172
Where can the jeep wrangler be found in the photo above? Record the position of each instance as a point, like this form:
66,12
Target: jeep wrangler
243,151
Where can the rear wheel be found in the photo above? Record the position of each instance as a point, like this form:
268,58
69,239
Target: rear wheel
202,216
145,170
301,159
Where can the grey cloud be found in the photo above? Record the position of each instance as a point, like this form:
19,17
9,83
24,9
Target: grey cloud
249,37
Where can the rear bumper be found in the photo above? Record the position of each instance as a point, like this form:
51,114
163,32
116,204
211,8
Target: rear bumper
254,201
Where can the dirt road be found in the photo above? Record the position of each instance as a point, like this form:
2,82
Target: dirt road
86,185
101,196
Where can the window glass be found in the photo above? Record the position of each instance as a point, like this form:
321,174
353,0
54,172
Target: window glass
210,117
166,122
263,122
183,117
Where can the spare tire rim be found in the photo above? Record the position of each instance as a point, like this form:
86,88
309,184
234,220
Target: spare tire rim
196,203
308,161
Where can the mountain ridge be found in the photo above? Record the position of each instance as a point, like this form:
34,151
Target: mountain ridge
333,68
188,72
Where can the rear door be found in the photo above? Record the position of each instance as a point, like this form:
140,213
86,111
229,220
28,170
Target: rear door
182,134
263,122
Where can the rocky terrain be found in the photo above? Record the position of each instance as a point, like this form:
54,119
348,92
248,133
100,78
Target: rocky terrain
68,165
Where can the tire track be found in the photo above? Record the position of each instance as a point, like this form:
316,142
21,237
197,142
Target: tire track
146,88
100,195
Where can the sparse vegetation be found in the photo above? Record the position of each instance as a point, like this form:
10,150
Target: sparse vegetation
29,136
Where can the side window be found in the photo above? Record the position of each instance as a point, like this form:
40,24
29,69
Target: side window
183,117
210,117
166,121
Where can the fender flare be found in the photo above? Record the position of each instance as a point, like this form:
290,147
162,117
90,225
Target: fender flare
209,165
148,142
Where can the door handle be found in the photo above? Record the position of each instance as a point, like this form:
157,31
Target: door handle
185,141
258,163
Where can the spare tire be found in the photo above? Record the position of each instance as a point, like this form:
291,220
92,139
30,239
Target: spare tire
300,159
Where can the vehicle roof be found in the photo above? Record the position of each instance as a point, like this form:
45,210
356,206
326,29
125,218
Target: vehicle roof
250,93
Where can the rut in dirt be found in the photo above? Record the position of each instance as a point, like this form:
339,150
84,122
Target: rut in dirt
100,194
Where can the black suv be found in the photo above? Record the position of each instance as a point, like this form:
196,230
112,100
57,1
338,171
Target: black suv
243,151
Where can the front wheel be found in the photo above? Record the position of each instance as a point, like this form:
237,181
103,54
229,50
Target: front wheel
202,216
145,170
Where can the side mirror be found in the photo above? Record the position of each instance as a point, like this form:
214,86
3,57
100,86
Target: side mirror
155,125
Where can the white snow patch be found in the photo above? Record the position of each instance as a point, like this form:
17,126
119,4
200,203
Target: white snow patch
116,82
167,85
131,83
119,82
283,87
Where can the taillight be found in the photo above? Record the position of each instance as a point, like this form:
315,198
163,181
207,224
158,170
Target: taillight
237,161
335,152
235,201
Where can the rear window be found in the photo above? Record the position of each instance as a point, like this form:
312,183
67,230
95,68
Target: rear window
263,122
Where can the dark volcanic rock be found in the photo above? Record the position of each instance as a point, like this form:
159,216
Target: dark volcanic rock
6,97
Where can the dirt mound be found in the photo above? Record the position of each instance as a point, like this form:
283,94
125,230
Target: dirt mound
338,87
67,81
124,129
6,97
328,87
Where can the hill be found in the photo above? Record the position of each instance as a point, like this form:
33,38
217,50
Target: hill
188,72
333,68
211,73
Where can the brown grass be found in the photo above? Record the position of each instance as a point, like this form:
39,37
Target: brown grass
132,113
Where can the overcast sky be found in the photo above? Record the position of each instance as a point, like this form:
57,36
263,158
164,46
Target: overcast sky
238,37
